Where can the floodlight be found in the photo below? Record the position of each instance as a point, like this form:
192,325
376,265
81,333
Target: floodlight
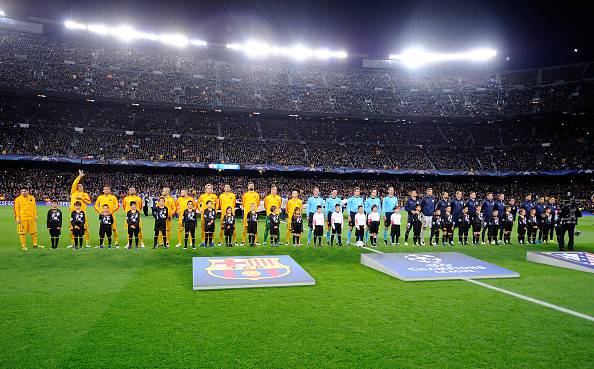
99,29
124,33
417,57
177,40
2,14
297,52
198,42
75,25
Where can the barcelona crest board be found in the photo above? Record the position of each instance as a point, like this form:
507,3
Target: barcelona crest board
247,272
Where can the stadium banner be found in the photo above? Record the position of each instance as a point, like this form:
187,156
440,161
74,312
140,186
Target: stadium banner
576,260
38,203
434,266
290,168
225,272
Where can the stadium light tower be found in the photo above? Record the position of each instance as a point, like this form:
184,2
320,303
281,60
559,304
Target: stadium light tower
418,57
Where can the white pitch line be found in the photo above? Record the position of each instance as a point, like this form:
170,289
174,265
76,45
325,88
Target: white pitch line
367,248
533,300
517,295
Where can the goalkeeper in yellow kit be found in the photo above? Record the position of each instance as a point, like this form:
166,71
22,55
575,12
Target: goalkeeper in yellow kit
132,196
25,214
208,195
248,199
227,200
77,193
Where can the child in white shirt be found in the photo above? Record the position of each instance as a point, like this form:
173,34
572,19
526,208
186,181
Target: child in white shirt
336,220
360,221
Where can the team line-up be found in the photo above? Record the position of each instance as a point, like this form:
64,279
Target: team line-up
490,220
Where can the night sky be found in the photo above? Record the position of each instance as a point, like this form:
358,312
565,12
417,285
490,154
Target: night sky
531,33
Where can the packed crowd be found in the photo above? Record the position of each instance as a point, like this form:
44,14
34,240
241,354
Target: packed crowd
49,127
95,68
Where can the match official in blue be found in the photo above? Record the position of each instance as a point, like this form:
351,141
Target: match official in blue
388,204
331,202
353,204
427,208
368,205
313,202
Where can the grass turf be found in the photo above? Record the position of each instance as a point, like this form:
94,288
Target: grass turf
126,308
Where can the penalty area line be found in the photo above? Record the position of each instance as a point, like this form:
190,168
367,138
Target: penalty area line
519,296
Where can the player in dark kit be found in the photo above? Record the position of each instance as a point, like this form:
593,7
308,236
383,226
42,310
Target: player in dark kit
54,223
229,226
274,221
410,206
493,230
478,221
522,226
508,224
209,217
297,227
436,225
134,222
105,226
532,226
463,226
252,225
78,220
161,214
447,227
189,220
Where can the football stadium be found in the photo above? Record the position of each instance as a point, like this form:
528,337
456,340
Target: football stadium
292,184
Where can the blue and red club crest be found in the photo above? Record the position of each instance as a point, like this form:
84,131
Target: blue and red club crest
253,269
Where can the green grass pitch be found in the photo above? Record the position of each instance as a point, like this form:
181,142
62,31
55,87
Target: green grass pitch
124,308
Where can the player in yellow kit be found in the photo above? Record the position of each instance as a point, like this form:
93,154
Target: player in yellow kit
227,200
132,196
77,193
248,199
293,203
181,206
113,204
171,208
202,200
273,199
25,214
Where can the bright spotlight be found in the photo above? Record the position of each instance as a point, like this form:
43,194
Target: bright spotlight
198,42
297,52
99,29
176,40
124,33
74,25
2,14
417,57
